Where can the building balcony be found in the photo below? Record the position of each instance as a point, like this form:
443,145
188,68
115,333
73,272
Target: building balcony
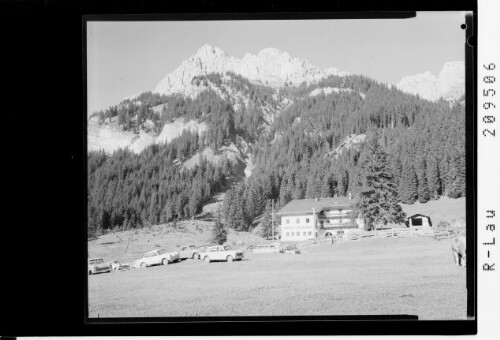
349,224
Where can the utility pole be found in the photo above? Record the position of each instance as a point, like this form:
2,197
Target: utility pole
130,242
272,217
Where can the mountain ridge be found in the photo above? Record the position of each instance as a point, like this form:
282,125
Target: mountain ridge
270,66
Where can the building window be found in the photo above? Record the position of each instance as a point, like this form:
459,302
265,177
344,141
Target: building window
307,220
292,234
340,232
310,233
304,233
287,221
297,221
287,234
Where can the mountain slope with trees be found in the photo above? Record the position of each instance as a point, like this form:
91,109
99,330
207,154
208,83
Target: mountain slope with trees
291,135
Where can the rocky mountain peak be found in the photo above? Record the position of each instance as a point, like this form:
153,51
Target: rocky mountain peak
208,51
270,66
449,84
271,52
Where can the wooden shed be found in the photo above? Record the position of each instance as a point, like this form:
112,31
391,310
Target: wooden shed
418,220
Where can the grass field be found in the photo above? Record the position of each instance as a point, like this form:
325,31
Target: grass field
380,276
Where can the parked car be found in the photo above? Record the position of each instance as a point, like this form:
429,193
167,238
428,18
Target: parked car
188,252
266,249
117,265
97,265
201,249
154,257
291,249
221,253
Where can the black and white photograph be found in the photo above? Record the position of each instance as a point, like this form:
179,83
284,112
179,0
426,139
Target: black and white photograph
241,168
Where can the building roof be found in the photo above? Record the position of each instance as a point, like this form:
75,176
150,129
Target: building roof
417,215
307,205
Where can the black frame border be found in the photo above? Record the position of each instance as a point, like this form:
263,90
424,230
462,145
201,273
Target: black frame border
44,47
316,325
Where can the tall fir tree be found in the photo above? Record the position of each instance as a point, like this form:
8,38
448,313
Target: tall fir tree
408,182
422,186
234,214
377,201
219,231
433,178
266,222
457,177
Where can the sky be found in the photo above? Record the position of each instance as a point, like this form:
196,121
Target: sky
127,58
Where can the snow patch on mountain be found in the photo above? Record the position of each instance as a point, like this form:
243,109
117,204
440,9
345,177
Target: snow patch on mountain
110,137
175,128
327,90
449,84
270,67
143,141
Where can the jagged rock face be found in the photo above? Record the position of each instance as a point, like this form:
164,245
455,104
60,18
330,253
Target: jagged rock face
449,84
269,67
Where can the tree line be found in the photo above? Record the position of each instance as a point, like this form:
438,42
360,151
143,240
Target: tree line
127,190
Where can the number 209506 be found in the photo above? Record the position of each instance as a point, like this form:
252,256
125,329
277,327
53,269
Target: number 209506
489,93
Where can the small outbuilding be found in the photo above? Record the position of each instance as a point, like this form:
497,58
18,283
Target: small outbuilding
418,220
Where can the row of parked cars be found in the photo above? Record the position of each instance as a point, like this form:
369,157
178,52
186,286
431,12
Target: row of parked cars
274,248
207,253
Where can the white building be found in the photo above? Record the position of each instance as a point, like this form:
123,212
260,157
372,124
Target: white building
310,218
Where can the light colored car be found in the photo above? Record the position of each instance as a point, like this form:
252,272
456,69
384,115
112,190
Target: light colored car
291,249
221,253
266,249
97,265
154,257
199,250
188,252
117,265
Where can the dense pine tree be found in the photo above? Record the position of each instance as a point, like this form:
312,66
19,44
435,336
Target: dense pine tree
377,201
433,177
219,231
408,183
266,222
422,185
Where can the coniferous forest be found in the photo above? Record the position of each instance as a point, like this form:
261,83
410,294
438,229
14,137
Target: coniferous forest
292,150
